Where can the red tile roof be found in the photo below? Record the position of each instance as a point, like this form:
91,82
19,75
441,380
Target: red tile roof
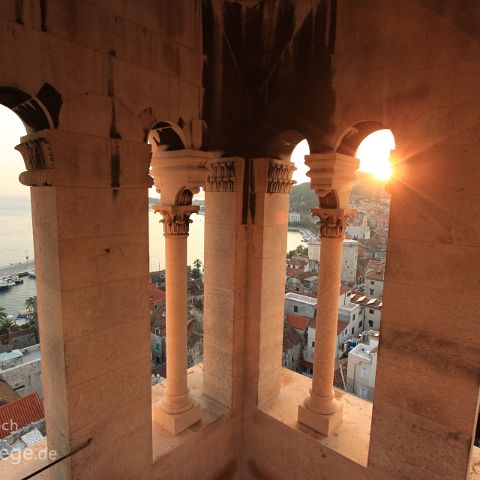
378,274
20,413
297,262
156,295
297,321
361,299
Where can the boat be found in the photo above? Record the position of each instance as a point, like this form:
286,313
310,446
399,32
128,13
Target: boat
4,285
31,274
16,279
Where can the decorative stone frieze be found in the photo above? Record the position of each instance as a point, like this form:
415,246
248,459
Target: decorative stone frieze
176,218
279,176
333,223
221,176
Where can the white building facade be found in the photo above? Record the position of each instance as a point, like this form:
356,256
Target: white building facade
25,377
349,258
361,370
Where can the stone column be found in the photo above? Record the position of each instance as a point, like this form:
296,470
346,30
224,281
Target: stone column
225,281
177,410
267,248
332,176
90,227
177,176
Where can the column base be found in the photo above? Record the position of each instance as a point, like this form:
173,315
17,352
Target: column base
175,423
324,424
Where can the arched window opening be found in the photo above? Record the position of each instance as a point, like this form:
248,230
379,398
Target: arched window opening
365,252
374,154
301,279
20,370
169,137
363,263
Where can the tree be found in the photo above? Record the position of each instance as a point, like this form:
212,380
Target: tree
30,303
197,263
6,325
3,314
300,250
196,271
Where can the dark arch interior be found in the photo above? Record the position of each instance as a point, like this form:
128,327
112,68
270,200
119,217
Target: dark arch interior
37,113
167,136
355,135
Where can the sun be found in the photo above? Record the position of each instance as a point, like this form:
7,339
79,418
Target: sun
374,154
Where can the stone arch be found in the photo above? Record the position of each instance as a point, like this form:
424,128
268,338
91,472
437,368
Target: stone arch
167,134
283,144
353,136
38,112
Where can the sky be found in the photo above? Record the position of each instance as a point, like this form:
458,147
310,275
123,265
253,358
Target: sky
373,152
11,161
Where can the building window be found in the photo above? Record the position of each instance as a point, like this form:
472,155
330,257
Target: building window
353,330
371,311
371,291
370,323
313,344
295,308
363,373
372,282
363,392
360,324
354,316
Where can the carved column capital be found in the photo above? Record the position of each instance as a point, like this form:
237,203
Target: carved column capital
37,155
333,222
221,175
332,174
176,218
179,169
279,176
273,175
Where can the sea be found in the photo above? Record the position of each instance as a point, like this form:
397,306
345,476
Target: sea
16,246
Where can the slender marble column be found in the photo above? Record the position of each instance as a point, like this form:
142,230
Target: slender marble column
322,397
332,175
176,221
177,411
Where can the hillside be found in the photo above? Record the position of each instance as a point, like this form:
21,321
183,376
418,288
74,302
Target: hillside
302,197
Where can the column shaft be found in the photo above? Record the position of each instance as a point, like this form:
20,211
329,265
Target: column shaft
176,396
322,399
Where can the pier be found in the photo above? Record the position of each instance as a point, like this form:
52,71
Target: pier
21,269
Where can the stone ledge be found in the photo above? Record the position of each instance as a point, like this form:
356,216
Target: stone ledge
12,468
350,439
211,411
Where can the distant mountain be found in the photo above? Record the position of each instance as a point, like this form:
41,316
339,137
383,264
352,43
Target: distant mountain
302,198
368,187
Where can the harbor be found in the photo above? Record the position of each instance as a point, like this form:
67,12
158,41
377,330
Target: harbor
17,283
307,234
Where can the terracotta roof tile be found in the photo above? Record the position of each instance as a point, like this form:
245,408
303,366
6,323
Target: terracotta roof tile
297,321
20,413
156,295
